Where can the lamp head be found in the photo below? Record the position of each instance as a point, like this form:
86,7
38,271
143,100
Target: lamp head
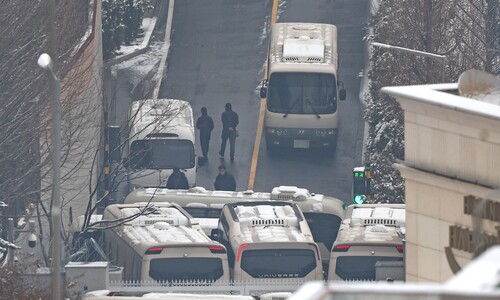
45,62
32,239
381,45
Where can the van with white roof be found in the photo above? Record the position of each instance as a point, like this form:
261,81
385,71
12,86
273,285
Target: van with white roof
161,137
370,235
161,242
269,239
323,213
302,86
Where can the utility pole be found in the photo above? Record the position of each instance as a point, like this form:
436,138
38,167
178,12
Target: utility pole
55,211
45,62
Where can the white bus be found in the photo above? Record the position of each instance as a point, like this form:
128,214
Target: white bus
323,214
370,234
269,239
302,87
161,137
162,242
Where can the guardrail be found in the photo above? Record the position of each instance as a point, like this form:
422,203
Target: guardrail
249,287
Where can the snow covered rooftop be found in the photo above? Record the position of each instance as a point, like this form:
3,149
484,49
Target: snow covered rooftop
378,216
204,198
170,215
266,215
372,233
269,223
164,233
160,116
372,223
303,49
158,223
303,42
273,234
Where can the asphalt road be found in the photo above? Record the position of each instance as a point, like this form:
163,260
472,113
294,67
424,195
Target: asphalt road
217,55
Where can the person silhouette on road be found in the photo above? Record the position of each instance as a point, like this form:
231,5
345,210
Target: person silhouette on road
205,124
229,122
177,180
224,181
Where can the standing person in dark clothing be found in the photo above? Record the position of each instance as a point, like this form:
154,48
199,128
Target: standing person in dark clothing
205,124
224,181
229,122
177,180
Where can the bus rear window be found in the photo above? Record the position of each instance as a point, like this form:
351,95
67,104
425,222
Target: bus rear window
162,154
186,269
278,263
360,267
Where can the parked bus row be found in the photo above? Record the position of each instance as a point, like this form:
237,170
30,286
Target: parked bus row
255,240
323,214
250,235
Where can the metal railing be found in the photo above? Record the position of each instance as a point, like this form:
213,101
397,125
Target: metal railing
249,288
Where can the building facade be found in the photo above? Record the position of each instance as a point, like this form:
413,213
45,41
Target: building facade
452,177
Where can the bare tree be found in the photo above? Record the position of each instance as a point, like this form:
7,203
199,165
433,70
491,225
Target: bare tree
163,113
25,115
91,226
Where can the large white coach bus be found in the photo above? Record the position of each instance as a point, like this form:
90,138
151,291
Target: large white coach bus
370,234
162,242
323,214
269,239
302,87
161,137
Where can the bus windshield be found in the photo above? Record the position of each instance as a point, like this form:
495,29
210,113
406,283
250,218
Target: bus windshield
302,93
278,263
162,154
186,269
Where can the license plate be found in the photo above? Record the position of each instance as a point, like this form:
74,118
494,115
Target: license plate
301,143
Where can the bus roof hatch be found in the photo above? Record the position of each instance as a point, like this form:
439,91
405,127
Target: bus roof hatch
304,49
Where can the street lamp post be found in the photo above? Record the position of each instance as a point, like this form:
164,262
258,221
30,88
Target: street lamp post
45,62
441,58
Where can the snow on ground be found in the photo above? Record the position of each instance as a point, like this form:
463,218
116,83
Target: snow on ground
140,66
141,42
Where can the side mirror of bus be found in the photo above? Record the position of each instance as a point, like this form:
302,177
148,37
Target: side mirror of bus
342,92
263,89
